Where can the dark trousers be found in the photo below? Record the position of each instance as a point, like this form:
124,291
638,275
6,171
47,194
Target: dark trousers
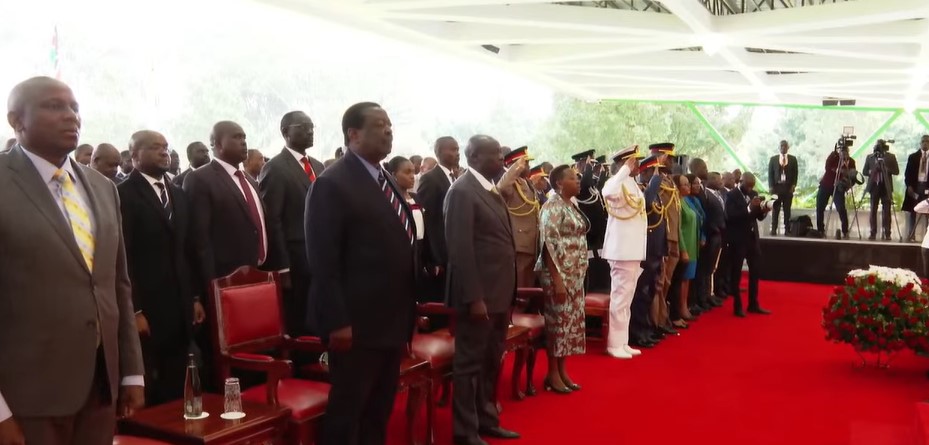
296,298
740,251
479,347
639,326
822,200
364,385
94,424
674,291
784,201
165,370
723,272
925,255
880,195
703,283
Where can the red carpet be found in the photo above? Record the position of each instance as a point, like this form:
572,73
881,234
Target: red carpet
761,380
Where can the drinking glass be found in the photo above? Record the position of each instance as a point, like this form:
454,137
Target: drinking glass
233,401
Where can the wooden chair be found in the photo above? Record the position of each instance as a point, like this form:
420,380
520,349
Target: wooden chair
246,306
132,440
528,314
597,305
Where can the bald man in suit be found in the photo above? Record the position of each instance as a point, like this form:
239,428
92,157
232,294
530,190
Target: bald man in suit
69,347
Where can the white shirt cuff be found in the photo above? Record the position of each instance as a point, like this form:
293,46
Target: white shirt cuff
5,412
133,380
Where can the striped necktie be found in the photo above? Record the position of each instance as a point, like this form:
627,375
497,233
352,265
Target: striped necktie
78,216
163,195
394,201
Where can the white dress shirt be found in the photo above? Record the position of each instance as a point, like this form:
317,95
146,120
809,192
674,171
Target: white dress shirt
448,173
297,155
46,172
153,181
261,212
486,183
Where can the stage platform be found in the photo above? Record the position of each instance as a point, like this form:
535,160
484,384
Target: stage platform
826,261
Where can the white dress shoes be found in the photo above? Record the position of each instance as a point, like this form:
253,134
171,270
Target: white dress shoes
631,351
618,353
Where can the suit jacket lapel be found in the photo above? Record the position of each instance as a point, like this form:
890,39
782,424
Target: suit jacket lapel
496,204
232,187
27,178
370,188
148,194
295,169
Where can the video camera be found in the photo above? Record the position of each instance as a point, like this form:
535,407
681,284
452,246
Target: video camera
882,146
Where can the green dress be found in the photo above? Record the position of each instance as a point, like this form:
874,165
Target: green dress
562,232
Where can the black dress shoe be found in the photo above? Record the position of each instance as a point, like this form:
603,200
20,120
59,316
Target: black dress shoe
641,343
462,440
739,313
872,237
759,310
669,330
716,302
498,433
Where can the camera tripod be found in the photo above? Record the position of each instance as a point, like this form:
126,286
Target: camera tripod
835,190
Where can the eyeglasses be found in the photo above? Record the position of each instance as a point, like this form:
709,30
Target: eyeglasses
309,127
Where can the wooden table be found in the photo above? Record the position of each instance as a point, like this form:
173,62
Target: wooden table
262,424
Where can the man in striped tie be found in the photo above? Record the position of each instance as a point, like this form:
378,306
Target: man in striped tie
359,243
68,342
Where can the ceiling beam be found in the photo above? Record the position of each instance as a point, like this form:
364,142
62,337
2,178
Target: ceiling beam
400,5
816,18
560,54
464,33
553,17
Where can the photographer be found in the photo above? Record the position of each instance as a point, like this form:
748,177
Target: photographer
840,167
782,181
879,168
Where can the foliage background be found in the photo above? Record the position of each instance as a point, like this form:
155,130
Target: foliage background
179,66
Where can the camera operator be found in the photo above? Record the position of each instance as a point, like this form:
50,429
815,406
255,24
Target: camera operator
880,167
835,183
916,179
782,181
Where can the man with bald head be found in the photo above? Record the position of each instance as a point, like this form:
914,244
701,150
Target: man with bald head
228,218
744,209
254,162
198,155
481,289
165,293
283,184
105,160
68,341
83,154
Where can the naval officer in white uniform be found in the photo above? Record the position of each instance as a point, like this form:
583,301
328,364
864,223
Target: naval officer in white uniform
624,246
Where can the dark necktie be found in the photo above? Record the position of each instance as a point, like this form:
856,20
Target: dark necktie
394,201
308,169
163,195
253,211
453,175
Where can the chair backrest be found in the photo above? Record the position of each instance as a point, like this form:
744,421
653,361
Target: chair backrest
247,308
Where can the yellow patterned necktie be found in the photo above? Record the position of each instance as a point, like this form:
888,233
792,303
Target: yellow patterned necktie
78,216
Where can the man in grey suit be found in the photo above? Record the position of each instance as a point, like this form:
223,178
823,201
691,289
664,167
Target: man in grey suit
69,347
481,290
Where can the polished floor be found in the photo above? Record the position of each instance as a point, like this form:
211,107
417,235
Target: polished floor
762,380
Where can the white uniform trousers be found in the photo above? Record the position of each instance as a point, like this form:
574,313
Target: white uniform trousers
625,275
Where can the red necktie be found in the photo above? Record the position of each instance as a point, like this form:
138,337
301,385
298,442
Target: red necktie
253,210
308,169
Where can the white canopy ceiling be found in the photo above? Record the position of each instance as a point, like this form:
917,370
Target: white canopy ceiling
755,51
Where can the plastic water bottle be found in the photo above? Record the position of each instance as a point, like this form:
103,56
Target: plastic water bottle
193,399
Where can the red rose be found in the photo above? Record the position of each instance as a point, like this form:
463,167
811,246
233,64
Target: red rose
909,286
872,279
863,307
850,281
888,292
885,301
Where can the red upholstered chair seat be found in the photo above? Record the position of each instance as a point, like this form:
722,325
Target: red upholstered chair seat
250,312
305,398
437,349
130,440
596,300
534,322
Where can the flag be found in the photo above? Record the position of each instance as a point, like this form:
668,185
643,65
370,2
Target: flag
56,63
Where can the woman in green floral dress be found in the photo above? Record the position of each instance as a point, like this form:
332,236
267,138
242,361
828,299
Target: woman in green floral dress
561,268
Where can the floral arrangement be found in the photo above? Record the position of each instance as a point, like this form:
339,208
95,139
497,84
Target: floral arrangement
879,310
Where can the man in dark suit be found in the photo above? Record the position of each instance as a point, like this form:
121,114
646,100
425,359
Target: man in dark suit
359,243
228,218
283,185
105,160
433,186
782,181
880,167
197,156
743,211
69,347
166,297
125,166
713,226
481,290
916,180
